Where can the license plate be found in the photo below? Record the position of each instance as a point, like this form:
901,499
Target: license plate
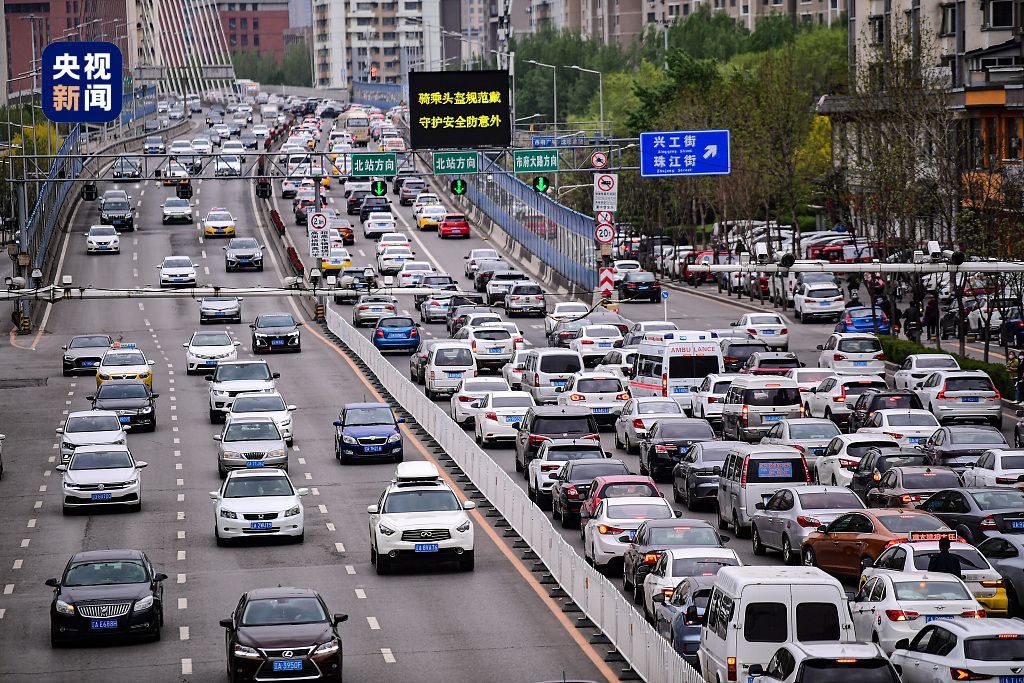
1011,679
771,418
558,383
287,665
680,390
101,496
373,449
210,363
824,303
601,411
935,617
220,313
516,418
124,419
396,335
261,525
817,451
860,363
103,247
102,623
494,350
915,439
453,375
768,332
376,310
277,342
90,363
1017,524
426,547
604,345
969,399
254,463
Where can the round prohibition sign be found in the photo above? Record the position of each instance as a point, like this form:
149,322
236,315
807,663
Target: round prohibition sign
599,159
605,183
604,234
318,221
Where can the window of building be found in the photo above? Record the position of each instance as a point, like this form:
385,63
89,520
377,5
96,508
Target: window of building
876,29
686,9
999,14
807,18
244,23
256,40
650,17
233,40
948,27
245,40
732,3
255,24
745,10
231,23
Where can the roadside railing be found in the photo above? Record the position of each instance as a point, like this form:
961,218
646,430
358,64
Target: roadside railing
650,655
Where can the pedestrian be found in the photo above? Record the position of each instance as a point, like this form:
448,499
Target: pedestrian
1012,371
931,317
945,561
1018,385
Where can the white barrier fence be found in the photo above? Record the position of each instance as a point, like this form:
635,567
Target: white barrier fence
650,655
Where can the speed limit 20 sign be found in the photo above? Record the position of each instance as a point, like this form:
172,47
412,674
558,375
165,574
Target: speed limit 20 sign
604,233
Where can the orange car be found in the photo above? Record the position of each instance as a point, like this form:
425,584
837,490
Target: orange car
842,546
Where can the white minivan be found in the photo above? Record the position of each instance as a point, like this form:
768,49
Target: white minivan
752,474
753,611
544,370
672,367
448,363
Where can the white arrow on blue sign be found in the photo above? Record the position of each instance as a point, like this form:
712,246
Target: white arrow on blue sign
664,295
671,153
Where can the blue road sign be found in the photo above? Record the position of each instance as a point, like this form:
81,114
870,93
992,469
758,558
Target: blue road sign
684,153
560,141
664,295
82,82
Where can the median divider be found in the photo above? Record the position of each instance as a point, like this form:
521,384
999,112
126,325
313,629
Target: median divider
649,655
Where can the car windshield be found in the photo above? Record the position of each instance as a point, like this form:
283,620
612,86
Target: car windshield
116,206
493,334
258,404
219,216
133,390
968,556
92,423
995,499
778,363
875,670
279,611
810,375
106,573
566,453
275,321
744,351
697,566
511,402
1008,648
977,437
176,203
441,500
656,407
640,277
695,429
397,322
251,431
902,524
931,590
931,480
587,472
603,332
860,345
887,462
824,293
969,384
831,500
936,362
816,430
103,231
242,371
683,535
100,460
257,487
177,263
639,511
89,342
772,397
765,320
911,419
599,386
211,339
455,356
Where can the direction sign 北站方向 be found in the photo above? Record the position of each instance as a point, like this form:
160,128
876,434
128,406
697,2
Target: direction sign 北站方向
455,163
604,233
599,159
374,164
606,192
534,160
684,152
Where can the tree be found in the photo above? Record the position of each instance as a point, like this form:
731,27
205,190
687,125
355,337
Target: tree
296,65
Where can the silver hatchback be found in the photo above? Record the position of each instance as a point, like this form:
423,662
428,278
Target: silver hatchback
250,442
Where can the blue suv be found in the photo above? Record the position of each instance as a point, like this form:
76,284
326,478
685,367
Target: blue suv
396,332
858,319
368,431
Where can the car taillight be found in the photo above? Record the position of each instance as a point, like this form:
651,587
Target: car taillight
663,448
743,478
798,447
651,558
664,384
901,615
909,498
586,341
595,437
942,394
712,399
745,414
539,297
549,468
577,397
380,334
472,346
958,674
841,398
730,668
537,440
362,308
808,522
667,592
624,396
987,522
895,435
993,584
751,331
491,416
466,399
974,614
1006,480
876,475
536,379
606,530
639,424
413,333
730,359
838,356
879,356
784,330
843,462
571,492
849,321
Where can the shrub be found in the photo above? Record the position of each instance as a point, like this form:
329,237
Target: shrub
897,350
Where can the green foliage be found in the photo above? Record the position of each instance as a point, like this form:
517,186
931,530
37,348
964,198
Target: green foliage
262,67
897,350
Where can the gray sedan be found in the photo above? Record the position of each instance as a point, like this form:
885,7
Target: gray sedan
250,442
83,353
1005,552
370,308
788,517
215,309
637,416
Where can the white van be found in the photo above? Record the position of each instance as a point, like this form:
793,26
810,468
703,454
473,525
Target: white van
671,367
753,611
448,363
753,474
544,370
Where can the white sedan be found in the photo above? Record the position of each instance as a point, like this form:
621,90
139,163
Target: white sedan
607,534
258,502
205,349
919,365
620,268
102,476
177,271
809,435
890,607
465,399
499,415
972,650
909,426
604,395
637,416
765,327
410,269
391,260
996,468
392,239
102,239
564,311
843,454
260,404
595,341
675,564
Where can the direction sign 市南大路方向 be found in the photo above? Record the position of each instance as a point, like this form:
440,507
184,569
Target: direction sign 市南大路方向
604,233
606,192
374,164
534,160
685,152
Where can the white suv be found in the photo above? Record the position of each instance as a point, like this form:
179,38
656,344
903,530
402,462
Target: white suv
961,395
419,515
852,353
237,377
833,397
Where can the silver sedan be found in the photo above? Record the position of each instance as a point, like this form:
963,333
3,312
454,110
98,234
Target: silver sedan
637,416
369,308
250,442
788,517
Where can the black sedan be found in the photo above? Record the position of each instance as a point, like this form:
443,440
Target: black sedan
877,461
1005,552
873,399
695,478
639,284
961,445
660,450
355,202
131,399
977,513
127,167
654,537
906,486
283,633
276,332
83,353
104,594
572,484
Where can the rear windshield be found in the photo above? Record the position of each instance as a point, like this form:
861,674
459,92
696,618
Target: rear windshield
886,463
692,367
640,277
936,362
969,384
930,480
778,363
994,500
857,450
995,648
574,453
671,407
683,535
696,566
493,334
772,397
860,345
639,511
698,429
453,356
589,471
896,401
931,590
858,388
977,437
857,671
776,471
912,420
397,322
562,425
1012,462
599,386
561,363
832,500
744,351
824,293
532,290
969,557
817,430
511,402
629,489
901,524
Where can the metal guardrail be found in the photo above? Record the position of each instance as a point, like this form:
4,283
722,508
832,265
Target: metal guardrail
650,655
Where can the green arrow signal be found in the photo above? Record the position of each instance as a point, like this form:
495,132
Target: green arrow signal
540,183
379,188
458,187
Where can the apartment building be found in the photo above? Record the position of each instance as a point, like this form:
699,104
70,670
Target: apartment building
255,25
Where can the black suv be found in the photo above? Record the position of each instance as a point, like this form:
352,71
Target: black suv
735,352
544,423
119,213
876,399
640,284
373,204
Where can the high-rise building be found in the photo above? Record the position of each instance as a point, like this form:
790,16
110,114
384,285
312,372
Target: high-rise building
255,25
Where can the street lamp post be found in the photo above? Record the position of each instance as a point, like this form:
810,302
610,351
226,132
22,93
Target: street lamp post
554,88
600,90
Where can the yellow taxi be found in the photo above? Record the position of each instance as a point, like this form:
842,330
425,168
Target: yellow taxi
336,259
431,216
219,223
124,361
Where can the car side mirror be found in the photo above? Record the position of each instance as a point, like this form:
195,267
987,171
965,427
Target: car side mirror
214,495
755,670
759,506
227,623
400,421
469,505
1020,413
867,563
694,617
372,509
59,430
732,324
717,470
822,529
90,397
208,378
216,437
850,406
159,576
302,491
52,583
61,468
559,390
658,597
338,423
339,618
723,538
184,345
820,347
252,326
64,348
902,644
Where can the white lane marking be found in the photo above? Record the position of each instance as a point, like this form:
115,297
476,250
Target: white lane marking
2,612
42,489
323,509
330,526
388,657
360,594
302,461
181,535
8,589
142,306
308,476
180,482
372,621
349,569
135,256
135,272
181,497
177,465
32,522
315,491
296,449
17,564
38,504
203,253
183,632
182,603
340,547
181,578
206,270
186,667
25,542
181,555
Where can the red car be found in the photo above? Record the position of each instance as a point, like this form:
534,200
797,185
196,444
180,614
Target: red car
453,225
617,486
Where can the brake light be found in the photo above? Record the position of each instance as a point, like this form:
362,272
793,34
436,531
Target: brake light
745,415
838,356
432,375
414,333
901,615
746,461
571,492
849,320
879,356
577,397
909,498
730,359
998,396
895,435
586,341
624,396
639,424
608,530
363,308
467,399
536,379
841,398
958,674
667,592
1006,480
876,475
595,437
380,334
751,330
537,439
651,558
784,330
472,346
491,416
730,667
848,463
549,468
807,522
661,448
993,584
664,384
974,614
712,399
987,522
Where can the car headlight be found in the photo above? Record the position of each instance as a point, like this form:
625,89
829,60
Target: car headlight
328,648
464,527
65,607
228,514
217,392
385,530
103,376
259,334
395,438
293,511
348,439
145,410
246,652
233,455
143,604
293,334
145,375
69,359
67,445
276,453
